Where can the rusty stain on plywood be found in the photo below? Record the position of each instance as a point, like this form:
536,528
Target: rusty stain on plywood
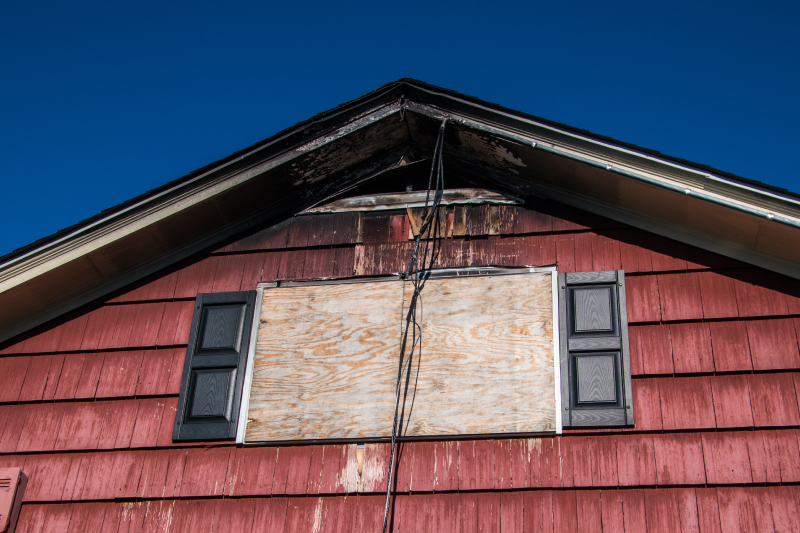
326,360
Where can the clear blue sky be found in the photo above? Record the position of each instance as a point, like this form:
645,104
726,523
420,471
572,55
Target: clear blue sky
102,101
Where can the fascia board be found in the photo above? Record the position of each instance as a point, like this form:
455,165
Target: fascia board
621,160
527,130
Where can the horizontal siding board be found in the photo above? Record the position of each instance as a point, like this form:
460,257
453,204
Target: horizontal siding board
252,271
70,376
228,276
634,254
72,335
718,294
46,477
35,378
785,510
667,255
204,473
633,508
755,296
14,369
647,404
691,348
731,396
727,458
642,298
527,220
773,344
730,346
123,327
744,509
686,403
589,517
708,510
789,455
234,516
146,325
655,347
251,471
87,517
612,518
44,340
680,296
119,375
565,253
81,427
533,250
40,431
773,400
605,251
90,375
148,423
14,419
53,375
155,373
636,460
679,459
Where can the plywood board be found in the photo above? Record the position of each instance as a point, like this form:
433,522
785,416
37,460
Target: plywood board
326,360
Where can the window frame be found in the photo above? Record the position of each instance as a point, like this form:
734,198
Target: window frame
431,274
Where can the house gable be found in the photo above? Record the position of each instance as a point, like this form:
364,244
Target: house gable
391,127
713,354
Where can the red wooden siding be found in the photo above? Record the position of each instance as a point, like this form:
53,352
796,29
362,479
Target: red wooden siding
89,402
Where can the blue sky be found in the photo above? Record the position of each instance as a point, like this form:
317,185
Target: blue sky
101,101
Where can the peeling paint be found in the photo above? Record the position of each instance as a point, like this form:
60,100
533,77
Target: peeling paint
376,465
317,516
348,476
489,151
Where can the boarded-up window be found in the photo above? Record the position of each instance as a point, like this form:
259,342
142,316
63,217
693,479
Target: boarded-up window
326,358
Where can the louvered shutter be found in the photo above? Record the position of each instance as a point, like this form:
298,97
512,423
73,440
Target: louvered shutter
211,388
595,358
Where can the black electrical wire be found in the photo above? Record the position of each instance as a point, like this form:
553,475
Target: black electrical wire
416,274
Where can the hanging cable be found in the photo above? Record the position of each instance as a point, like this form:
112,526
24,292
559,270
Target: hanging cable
416,274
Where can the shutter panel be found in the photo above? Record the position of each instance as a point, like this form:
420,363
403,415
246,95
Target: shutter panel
595,359
211,388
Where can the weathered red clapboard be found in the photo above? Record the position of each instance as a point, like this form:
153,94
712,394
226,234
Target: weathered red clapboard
642,299
732,406
680,296
691,348
684,307
686,403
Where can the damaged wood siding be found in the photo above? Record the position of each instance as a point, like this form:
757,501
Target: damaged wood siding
326,360
88,403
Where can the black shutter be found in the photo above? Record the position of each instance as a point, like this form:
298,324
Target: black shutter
595,359
211,389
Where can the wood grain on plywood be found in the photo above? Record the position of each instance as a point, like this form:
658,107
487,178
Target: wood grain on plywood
326,360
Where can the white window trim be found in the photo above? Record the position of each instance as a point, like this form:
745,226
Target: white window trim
248,378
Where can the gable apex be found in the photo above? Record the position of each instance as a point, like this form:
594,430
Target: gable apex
388,128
